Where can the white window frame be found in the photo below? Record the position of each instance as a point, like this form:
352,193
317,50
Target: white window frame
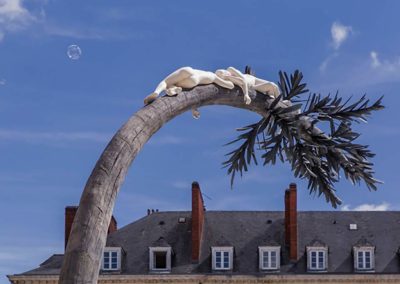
320,266
363,251
152,250
110,250
269,250
222,250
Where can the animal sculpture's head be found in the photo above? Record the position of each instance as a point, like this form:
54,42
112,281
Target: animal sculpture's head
222,73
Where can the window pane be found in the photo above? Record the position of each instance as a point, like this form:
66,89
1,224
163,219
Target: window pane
218,261
360,259
367,259
160,260
313,259
273,259
106,260
265,259
321,260
226,259
114,260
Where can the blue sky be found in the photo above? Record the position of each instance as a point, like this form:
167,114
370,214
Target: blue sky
57,114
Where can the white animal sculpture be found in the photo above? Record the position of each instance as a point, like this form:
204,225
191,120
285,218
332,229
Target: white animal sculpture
248,82
186,77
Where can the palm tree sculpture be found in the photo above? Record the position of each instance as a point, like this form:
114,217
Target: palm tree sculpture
286,132
291,134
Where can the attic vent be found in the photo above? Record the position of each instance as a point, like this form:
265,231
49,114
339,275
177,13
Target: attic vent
182,220
353,227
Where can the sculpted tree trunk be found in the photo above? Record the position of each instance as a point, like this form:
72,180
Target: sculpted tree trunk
89,231
312,153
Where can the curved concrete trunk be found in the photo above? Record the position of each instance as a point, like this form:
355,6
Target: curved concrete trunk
89,231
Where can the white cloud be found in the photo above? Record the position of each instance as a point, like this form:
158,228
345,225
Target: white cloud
380,69
325,63
339,34
38,137
13,16
374,59
384,206
79,33
385,65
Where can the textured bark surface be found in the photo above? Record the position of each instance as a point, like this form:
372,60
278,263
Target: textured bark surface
89,231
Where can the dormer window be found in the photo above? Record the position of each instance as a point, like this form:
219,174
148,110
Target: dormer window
364,259
160,259
111,259
269,257
222,258
317,257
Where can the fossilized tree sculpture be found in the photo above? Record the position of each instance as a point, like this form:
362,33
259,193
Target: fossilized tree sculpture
287,132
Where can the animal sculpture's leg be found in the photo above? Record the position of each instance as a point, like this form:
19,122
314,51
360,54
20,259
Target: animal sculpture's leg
170,80
268,88
160,88
173,91
239,81
223,83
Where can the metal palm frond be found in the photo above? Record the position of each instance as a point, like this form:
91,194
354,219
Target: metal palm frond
289,133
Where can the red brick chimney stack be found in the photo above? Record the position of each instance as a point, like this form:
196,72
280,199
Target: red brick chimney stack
291,221
113,226
70,212
197,220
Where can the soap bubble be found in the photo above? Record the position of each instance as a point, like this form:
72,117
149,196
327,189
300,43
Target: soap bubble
74,52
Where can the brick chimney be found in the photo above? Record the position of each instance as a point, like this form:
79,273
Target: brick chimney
291,221
197,220
70,212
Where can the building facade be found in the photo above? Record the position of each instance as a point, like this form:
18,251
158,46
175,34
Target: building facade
202,246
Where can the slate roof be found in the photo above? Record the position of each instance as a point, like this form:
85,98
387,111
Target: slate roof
246,231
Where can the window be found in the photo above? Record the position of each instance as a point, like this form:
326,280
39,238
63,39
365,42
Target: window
269,257
222,258
111,259
317,258
160,259
364,258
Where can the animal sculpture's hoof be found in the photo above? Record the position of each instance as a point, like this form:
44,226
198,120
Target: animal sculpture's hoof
195,113
150,98
247,100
